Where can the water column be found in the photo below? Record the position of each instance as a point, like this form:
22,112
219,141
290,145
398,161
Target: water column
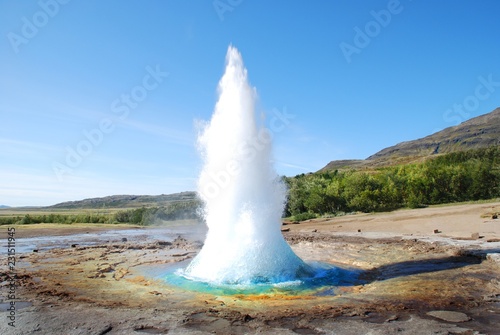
243,195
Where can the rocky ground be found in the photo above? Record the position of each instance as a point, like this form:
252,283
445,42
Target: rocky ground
420,272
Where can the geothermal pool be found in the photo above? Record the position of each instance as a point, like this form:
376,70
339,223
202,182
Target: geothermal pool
322,281
122,284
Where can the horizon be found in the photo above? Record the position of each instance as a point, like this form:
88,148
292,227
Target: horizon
107,98
185,191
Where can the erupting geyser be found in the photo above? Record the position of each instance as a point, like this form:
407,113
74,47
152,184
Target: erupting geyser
243,195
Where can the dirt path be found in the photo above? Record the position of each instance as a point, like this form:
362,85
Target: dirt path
451,221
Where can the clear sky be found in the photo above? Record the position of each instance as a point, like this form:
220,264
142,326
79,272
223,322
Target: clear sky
103,97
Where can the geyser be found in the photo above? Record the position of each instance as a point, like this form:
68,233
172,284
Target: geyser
243,195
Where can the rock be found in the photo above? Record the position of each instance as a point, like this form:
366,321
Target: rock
284,230
181,255
295,222
392,318
492,240
315,231
493,257
124,239
494,216
492,298
359,230
105,268
35,250
475,236
450,316
74,245
105,330
122,272
436,231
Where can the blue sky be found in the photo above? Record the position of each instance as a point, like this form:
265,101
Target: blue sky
357,76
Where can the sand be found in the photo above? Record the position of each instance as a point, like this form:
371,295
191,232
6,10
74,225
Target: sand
424,271
455,221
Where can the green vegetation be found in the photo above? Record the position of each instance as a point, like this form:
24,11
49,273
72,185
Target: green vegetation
182,210
55,218
155,215
454,177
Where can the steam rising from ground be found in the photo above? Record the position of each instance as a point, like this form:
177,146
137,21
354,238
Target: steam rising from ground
243,195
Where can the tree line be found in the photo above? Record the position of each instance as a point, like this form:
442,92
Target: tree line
453,177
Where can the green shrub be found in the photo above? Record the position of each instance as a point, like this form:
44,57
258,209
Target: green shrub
304,217
460,176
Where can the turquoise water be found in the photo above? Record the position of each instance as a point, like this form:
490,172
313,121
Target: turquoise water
323,281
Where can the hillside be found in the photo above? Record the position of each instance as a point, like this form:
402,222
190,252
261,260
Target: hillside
127,201
479,132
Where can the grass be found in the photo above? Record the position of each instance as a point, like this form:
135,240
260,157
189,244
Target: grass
21,212
76,225
13,212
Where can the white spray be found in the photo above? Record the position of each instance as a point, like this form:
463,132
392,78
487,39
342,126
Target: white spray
243,195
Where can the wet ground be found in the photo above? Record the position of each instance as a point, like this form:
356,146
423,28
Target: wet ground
113,283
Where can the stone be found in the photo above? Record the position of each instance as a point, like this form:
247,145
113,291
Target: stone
436,231
475,236
392,318
122,272
493,257
105,268
450,316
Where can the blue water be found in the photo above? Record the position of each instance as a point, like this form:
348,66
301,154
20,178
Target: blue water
324,280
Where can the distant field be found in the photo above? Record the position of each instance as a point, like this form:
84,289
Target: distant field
144,216
12,212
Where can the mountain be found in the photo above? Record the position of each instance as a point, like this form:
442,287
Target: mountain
126,201
3,206
479,132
